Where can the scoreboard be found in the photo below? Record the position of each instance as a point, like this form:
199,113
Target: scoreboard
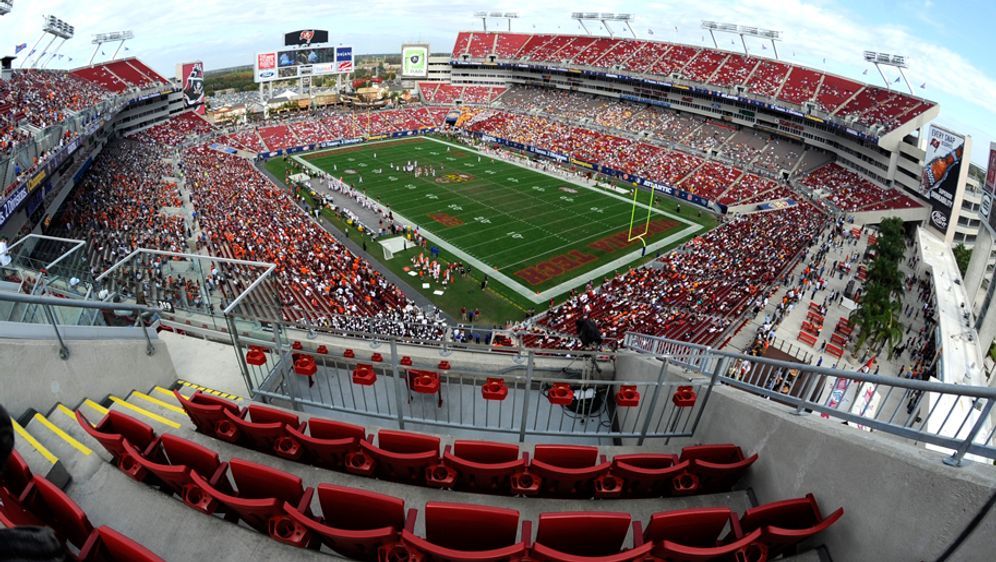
287,64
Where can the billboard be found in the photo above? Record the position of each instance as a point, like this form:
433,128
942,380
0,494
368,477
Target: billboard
191,77
288,64
414,61
989,191
306,37
939,182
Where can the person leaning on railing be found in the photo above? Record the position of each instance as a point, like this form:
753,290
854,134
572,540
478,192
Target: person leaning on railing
23,543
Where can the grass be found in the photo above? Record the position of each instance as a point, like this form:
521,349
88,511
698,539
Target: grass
558,222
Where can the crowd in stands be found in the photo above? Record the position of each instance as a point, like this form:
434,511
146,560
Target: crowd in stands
849,192
867,105
446,94
698,291
175,131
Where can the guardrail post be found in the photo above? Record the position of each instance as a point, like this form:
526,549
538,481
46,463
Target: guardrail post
721,367
955,458
400,399
653,400
525,397
800,410
233,331
63,350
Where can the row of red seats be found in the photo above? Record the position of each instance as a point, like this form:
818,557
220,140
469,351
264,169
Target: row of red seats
790,83
27,499
371,526
477,466
850,192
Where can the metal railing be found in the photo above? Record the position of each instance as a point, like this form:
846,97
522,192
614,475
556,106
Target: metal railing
47,310
542,392
950,417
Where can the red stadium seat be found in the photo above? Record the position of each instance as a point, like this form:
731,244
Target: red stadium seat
567,470
107,545
468,533
112,432
355,523
208,414
483,466
718,467
647,475
172,459
698,534
399,455
784,524
259,499
55,509
328,443
15,474
264,429
585,537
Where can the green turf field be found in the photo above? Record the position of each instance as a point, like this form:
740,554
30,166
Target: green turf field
539,235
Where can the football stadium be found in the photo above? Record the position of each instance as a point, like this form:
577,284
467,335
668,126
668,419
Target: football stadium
501,293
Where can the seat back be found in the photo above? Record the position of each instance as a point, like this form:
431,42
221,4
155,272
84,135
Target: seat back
206,411
257,435
724,453
179,451
796,513
107,544
470,527
702,527
52,506
566,456
718,467
257,481
359,510
406,442
330,450
15,474
583,533
262,414
485,452
116,427
328,429
647,475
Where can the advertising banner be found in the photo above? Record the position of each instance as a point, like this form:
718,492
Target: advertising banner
939,182
265,67
295,63
414,61
989,191
192,79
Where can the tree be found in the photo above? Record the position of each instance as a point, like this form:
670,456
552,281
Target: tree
962,255
878,316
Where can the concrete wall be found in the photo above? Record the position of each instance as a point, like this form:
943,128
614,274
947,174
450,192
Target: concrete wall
33,375
901,503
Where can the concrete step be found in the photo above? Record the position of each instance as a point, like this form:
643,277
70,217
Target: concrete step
40,459
171,529
163,406
64,418
78,457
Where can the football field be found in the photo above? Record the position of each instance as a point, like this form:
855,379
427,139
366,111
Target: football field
538,234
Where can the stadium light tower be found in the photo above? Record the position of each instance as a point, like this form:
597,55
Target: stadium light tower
6,6
896,61
604,18
113,37
743,31
55,27
507,16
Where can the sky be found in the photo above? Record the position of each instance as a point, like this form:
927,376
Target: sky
949,46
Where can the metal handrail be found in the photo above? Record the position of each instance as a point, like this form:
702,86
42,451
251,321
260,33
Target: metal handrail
48,302
805,391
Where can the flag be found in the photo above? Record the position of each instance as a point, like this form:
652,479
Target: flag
896,81
923,86
765,47
32,52
676,28
865,73
650,32
19,48
127,49
824,60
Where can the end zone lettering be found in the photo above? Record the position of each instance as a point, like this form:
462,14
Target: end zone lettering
554,267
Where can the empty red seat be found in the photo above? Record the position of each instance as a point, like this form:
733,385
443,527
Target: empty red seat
718,467
399,455
171,460
113,430
585,536
483,466
107,545
328,443
53,508
784,524
259,498
208,414
355,523
711,533
264,429
465,533
567,470
648,475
